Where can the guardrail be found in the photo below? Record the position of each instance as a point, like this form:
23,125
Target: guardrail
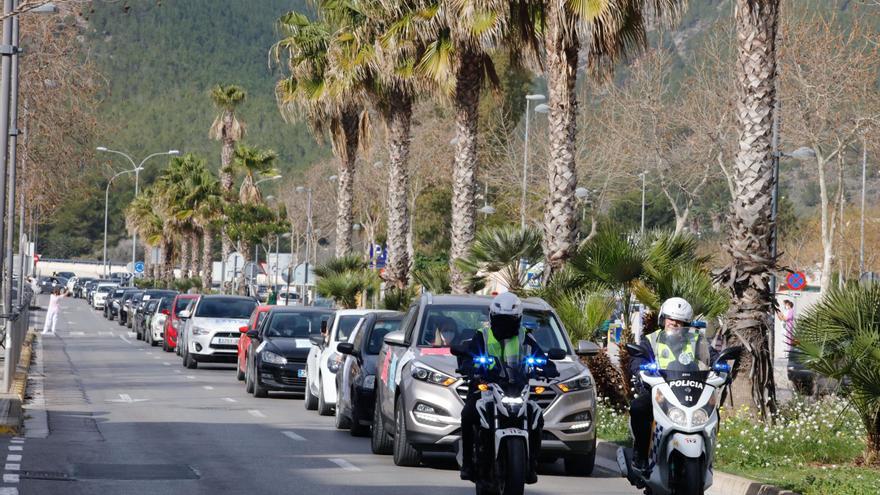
15,328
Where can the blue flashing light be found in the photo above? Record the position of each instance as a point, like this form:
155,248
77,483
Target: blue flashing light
484,360
721,367
535,361
650,367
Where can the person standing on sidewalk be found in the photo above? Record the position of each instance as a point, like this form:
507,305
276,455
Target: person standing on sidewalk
53,310
787,316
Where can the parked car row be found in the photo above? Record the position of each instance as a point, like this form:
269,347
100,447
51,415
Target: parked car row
384,374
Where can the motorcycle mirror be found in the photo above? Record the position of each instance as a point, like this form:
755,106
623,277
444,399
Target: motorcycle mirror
556,354
635,350
458,349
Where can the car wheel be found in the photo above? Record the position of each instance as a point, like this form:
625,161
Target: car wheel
324,409
380,442
404,453
248,381
310,401
153,343
165,345
260,391
343,422
189,362
580,464
239,375
120,321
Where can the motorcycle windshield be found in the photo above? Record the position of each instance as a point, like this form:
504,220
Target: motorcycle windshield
683,351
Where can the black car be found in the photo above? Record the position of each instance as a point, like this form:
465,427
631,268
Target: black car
140,305
48,284
356,378
125,304
79,287
111,306
283,340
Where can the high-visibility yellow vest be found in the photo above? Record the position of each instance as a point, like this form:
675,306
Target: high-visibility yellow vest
664,354
510,352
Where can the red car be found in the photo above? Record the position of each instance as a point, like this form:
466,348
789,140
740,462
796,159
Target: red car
244,341
172,323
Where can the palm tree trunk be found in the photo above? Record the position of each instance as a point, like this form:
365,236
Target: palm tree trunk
560,221
748,276
247,251
398,119
207,257
195,251
184,257
350,122
226,183
467,98
167,261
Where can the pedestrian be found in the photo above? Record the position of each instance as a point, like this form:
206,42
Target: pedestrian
272,298
53,310
787,316
35,286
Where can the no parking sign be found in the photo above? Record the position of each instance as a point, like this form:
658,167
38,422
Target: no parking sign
796,281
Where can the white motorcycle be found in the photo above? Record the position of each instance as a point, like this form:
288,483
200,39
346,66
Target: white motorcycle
682,449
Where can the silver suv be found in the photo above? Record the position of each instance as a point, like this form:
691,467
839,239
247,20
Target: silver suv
419,396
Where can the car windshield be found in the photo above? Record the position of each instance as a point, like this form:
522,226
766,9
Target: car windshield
118,292
181,304
345,326
165,303
151,306
377,334
683,349
295,325
445,325
105,289
226,307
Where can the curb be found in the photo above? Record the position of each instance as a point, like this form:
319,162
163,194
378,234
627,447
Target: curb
11,417
723,483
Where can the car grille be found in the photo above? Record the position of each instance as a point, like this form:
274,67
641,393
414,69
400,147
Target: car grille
288,376
543,400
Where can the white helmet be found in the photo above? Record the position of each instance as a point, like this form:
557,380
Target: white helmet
677,309
506,303
505,316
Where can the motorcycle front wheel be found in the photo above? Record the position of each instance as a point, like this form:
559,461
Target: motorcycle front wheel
690,477
513,464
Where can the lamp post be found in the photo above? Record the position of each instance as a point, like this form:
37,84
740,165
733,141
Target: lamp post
644,176
525,182
137,176
106,211
308,191
862,217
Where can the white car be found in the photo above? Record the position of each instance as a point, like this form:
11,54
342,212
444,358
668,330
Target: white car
323,361
70,283
211,332
288,298
101,293
157,321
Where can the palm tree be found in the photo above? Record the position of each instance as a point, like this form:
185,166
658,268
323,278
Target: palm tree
509,251
308,94
343,279
253,162
838,338
605,30
145,217
179,183
748,275
227,129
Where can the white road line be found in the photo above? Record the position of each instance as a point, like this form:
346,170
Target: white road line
15,448
168,364
293,436
156,357
106,333
208,387
178,371
13,458
77,334
17,440
345,464
191,377
9,490
255,413
10,478
12,467
229,399
125,339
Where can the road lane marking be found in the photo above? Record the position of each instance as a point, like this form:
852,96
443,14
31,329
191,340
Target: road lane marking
106,333
13,458
77,334
208,387
12,467
229,399
156,357
125,339
10,478
178,371
255,413
168,364
191,377
345,464
293,436
15,448
17,440
125,398
9,490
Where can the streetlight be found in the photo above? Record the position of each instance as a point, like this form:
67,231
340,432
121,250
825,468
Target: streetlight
106,211
137,178
308,190
643,176
862,218
274,177
525,182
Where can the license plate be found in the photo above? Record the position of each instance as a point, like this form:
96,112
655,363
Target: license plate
301,373
225,340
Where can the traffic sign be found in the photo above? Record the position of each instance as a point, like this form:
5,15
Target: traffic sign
796,281
139,267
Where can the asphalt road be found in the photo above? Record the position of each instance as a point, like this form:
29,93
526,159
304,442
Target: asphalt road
125,418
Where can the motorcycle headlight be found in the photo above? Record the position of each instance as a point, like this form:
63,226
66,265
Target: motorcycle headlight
432,376
200,331
272,358
677,416
580,382
700,417
370,382
334,361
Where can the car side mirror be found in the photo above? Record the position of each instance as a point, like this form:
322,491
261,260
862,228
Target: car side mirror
254,334
635,350
243,329
346,348
556,354
396,338
317,339
729,354
183,314
586,348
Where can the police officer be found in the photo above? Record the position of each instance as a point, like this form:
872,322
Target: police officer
674,347
507,341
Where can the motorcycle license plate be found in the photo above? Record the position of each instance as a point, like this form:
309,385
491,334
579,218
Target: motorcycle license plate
301,373
225,340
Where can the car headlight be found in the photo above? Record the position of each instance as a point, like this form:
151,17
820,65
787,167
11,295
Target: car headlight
272,358
333,362
700,418
432,376
370,382
200,331
580,382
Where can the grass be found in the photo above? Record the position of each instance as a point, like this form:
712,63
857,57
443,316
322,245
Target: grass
811,449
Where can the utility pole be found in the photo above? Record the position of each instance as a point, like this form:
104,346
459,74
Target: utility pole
862,219
644,175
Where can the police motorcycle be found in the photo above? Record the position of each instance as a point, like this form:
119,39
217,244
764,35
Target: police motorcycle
685,395
507,416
